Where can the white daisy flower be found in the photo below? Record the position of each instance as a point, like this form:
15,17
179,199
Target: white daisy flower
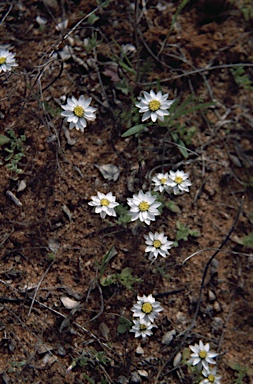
178,182
146,308
157,244
154,105
7,60
143,206
211,377
104,204
201,356
142,328
76,112
161,182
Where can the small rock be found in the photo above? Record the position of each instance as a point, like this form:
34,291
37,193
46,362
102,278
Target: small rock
217,306
217,324
142,372
104,330
168,337
122,380
215,264
211,295
139,350
135,378
21,185
180,317
177,359
61,350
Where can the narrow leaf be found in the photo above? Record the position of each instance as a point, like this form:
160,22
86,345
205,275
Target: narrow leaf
133,130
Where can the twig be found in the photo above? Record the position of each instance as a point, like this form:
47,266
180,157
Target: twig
7,13
38,287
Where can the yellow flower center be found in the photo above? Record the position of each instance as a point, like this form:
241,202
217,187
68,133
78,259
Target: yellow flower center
78,111
202,354
147,308
157,243
163,180
178,180
143,327
154,105
144,206
211,378
2,60
104,202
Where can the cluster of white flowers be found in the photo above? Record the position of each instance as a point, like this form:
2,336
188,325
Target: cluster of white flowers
145,310
7,60
201,358
173,182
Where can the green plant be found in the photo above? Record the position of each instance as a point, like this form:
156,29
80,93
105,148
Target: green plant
245,6
16,364
13,145
240,372
180,133
124,63
184,232
172,206
123,214
124,325
125,278
241,78
91,42
246,240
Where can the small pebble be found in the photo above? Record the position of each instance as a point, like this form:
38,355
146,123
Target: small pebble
217,306
177,359
122,380
135,378
139,350
168,337
211,295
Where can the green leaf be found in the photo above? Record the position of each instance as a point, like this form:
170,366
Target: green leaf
121,328
108,280
126,278
92,19
182,149
4,140
110,254
247,241
183,232
124,325
133,130
171,205
194,233
90,381
126,272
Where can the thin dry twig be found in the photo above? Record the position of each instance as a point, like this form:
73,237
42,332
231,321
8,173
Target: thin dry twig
38,287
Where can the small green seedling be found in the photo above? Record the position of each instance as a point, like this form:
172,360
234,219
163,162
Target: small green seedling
124,325
123,214
125,278
184,232
240,372
246,241
13,145
241,78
